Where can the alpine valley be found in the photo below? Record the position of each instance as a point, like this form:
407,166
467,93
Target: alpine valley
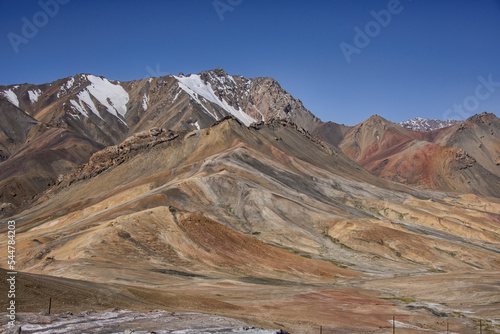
219,194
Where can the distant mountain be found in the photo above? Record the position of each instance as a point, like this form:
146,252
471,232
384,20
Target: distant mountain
463,158
424,124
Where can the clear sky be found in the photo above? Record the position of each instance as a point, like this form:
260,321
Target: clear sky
345,59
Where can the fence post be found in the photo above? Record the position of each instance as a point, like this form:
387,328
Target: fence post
480,326
50,304
320,329
393,325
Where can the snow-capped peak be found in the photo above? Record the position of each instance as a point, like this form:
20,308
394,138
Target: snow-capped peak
112,96
195,86
424,124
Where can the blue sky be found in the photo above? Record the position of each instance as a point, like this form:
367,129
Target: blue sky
430,55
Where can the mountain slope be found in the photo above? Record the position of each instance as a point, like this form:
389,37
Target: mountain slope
40,162
15,126
479,136
103,112
243,178
246,210
443,159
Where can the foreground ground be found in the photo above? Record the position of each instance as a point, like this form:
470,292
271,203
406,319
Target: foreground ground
294,307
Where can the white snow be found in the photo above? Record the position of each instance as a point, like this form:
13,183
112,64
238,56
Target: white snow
66,87
11,96
145,102
78,107
113,97
194,86
425,124
70,83
84,96
34,95
196,125
175,97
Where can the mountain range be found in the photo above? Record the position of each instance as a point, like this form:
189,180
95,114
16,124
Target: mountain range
221,194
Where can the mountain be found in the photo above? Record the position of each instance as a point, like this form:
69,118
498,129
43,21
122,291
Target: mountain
424,124
221,194
93,112
461,158
109,111
263,223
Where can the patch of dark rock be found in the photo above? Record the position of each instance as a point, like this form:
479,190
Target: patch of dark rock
124,235
428,309
267,281
176,273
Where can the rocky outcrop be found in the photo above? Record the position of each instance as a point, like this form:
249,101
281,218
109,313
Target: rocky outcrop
116,155
465,160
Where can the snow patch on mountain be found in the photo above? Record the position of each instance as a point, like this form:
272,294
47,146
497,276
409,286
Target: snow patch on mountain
176,95
79,107
85,97
11,96
196,125
424,124
34,95
195,86
112,96
70,83
145,102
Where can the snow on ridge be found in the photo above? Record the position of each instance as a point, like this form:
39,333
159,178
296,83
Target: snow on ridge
70,83
194,86
85,97
79,107
175,97
112,96
11,96
34,95
145,102
424,124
